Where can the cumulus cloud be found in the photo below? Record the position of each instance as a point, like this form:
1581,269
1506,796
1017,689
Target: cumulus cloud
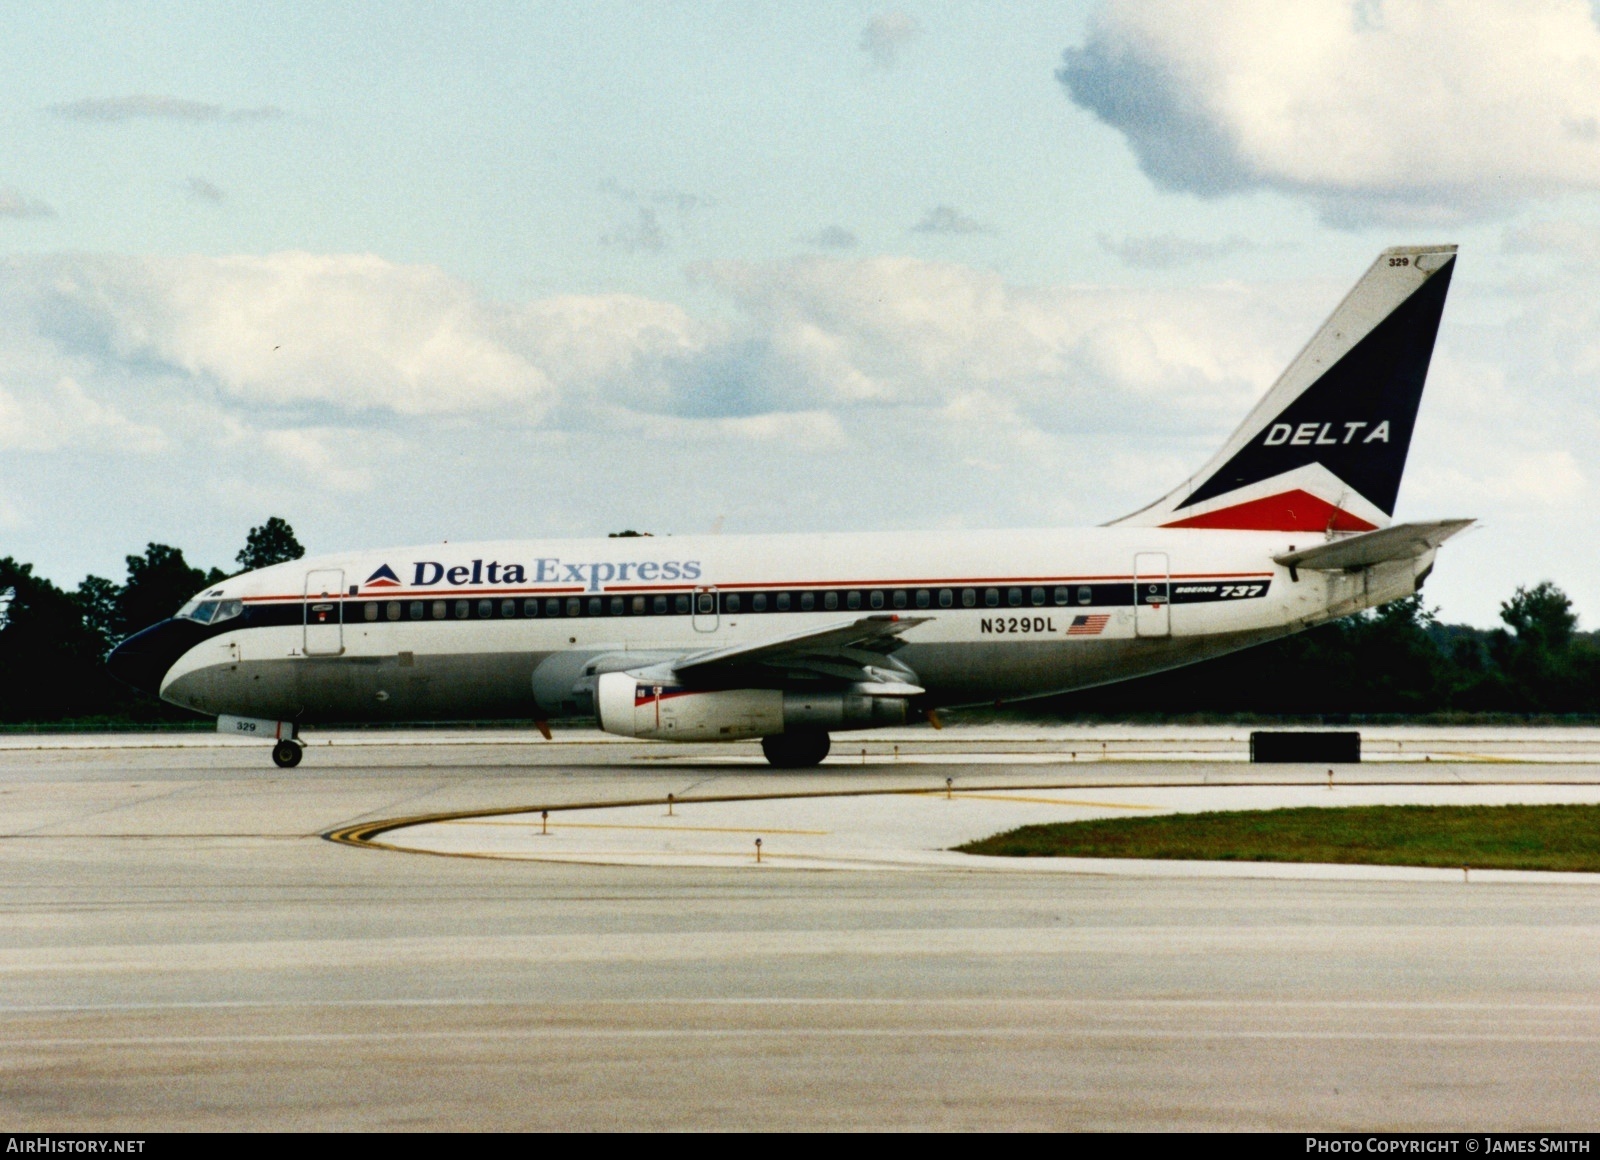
14,205
1411,110
887,35
149,106
406,403
303,339
890,331
946,219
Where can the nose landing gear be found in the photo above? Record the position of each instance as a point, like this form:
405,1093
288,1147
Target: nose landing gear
286,754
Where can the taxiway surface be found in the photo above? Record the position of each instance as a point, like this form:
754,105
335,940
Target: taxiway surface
180,947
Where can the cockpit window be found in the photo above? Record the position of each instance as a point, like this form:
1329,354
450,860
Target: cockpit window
210,611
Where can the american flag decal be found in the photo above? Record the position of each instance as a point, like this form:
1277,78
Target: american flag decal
1088,625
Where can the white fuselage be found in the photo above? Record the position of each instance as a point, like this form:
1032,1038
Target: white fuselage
459,631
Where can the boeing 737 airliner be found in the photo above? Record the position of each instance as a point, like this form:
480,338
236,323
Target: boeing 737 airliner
788,638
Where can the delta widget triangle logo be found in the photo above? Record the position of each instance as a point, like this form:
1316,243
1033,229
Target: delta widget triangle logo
384,577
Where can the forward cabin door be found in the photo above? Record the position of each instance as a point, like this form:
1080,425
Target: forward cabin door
1152,589
324,612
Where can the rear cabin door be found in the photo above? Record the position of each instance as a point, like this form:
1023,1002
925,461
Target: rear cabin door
324,612
1152,589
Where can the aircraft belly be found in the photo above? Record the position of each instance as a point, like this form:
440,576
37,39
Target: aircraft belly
364,689
985,672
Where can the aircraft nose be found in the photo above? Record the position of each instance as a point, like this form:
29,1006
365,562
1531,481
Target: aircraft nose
144,659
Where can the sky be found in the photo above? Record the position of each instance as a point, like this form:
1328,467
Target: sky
401,273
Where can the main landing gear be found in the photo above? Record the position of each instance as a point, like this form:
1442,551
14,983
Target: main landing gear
286,754
796,748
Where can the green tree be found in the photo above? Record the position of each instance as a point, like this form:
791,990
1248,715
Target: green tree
159,583
1535,658
1541,616
97,603
50,660
271,543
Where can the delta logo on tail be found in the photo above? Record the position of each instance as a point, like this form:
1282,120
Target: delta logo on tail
384,577
1325,449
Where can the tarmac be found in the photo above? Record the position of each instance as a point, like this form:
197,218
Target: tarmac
182,947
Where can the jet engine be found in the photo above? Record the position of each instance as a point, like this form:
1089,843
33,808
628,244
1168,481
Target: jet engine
632,706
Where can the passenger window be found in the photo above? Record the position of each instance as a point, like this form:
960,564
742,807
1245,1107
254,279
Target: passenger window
617,605
595,605
1085,595
947,598
758,602
732,601
681,604
438,609
852,599
370,611
900,598
875,599
830,601
416,610
969,597
485,609
1061,596
707,603
1038,597
991,597
924,598
530,608
661,604
638,605
463,609
783,602
393,611
1014,597
808,601
574,606
508,608
552,607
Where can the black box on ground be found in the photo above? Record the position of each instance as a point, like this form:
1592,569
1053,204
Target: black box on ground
1332,746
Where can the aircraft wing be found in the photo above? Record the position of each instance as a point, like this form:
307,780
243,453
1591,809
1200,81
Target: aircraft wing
855,652
1400,542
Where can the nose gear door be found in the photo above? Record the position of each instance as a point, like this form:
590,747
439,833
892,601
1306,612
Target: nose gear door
324,612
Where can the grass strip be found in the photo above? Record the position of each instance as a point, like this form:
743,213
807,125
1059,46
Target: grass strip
1489,837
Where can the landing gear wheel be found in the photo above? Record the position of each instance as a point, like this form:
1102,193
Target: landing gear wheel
795,749
287,754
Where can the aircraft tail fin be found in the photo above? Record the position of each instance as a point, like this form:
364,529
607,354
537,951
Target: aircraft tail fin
1324,449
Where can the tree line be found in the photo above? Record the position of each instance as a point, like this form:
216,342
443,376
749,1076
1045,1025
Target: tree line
54,642
1396,660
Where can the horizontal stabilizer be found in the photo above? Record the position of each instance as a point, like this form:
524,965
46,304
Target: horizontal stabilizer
1400,542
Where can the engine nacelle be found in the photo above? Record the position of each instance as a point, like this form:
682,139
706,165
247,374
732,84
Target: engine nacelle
631,707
